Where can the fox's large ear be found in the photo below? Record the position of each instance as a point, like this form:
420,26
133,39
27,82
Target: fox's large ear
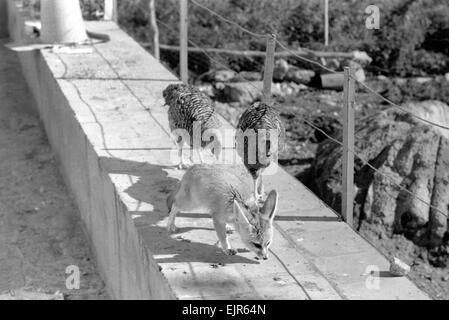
270,205
239,214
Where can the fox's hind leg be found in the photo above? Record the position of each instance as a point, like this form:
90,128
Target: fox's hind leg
171,227
220,228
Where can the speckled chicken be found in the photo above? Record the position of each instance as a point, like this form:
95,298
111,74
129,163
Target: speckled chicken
256,147
188,108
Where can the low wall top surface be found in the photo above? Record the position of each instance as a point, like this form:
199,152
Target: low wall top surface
115,94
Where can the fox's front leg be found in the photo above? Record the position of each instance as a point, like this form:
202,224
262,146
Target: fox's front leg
220,228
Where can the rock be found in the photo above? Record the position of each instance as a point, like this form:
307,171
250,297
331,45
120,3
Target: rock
399,268
207,89
446,76
220,86
333,64
418,89
332,81
224,75
359,73
405,151
300,76
244,92
361,57
283,89
432,110
423,79
248,76
281,68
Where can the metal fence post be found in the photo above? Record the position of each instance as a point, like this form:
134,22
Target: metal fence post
268,69
348,144
155,29
110,10
183,41
326,22
31,9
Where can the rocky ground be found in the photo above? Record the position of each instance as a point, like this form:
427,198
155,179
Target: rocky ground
324,106
40,229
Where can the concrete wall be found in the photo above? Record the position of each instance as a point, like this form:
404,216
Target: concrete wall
108,225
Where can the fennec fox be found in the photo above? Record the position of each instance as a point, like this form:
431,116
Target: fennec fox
225,192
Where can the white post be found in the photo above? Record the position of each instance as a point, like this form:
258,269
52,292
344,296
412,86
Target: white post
348,144
326,22
155,29
268,69
62,22
183,41
110,10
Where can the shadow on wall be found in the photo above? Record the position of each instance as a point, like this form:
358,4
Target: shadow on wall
3,20
154,184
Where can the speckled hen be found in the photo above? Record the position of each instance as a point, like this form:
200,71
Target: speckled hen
193,111
259,137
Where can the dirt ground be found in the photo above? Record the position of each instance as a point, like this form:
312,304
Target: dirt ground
40,228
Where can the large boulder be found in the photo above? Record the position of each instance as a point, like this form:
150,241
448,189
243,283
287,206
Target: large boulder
406,152
299,76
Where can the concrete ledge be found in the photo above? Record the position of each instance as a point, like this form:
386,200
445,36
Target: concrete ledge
103,115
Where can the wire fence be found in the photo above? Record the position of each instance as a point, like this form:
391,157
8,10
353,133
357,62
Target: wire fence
216,57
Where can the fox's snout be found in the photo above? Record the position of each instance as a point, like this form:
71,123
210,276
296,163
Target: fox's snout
262,256
264,253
